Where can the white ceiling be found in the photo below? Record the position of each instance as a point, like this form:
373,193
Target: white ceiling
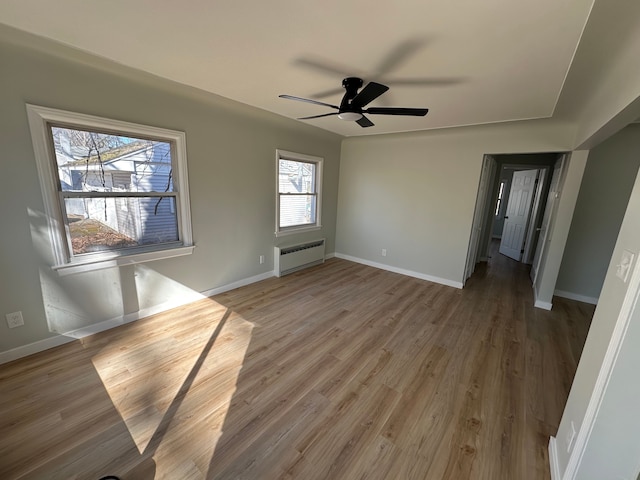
505,59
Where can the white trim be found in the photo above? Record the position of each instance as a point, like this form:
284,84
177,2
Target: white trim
628,308
554,466
39,119
576,296
71,268
181,181
42,151
539,303
237,284
294,230
299,157
33,348
543,305
410,273
46,344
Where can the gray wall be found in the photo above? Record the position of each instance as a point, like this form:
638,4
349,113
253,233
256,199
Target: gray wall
613,449
602,201
231,161
414,194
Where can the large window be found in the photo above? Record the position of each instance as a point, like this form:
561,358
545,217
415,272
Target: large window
115,192
298,202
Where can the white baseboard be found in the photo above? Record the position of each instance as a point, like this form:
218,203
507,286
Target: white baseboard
410,273
539,303
543,305
61,339
238,284
35,347
576,296
553,459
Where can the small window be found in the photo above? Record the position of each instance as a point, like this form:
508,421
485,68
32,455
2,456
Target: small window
115,192
500,197
298,201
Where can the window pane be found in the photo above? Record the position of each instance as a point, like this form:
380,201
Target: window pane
101,162
297,210
105,224
296,177
500,194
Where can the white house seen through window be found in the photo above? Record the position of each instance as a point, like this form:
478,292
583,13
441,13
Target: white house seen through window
116,191
298,199
119,187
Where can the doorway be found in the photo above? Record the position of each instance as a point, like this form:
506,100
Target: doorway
528,203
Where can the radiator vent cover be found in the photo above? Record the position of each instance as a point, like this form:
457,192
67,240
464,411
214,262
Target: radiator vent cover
291,258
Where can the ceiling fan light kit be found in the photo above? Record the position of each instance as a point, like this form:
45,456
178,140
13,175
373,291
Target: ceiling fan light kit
353,102
351,116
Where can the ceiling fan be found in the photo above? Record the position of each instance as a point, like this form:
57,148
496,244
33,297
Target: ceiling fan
353,103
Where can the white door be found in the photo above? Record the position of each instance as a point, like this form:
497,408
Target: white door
488,169
517,216
549,214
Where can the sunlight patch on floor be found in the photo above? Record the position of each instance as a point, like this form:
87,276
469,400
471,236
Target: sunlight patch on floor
173,387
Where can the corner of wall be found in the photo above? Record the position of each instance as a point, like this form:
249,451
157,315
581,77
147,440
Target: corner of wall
553,459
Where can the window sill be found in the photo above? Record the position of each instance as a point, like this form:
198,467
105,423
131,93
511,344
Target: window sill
294,230
88,266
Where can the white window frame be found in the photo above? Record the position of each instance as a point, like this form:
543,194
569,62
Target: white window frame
299,157
40,120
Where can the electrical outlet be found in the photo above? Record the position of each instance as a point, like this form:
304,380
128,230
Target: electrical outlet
261,259
571,435
15,319
623,268
384,252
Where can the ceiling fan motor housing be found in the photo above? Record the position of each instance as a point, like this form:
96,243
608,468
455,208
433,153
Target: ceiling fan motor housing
351,85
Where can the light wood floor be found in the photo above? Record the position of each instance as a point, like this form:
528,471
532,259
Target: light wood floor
339,372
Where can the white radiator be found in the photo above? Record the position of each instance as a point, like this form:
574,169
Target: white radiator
291,258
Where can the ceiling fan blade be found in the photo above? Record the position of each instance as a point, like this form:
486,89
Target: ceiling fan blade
399,55
415,112
324,66
364,122
427,82
369,93
328,93
318,116
315,102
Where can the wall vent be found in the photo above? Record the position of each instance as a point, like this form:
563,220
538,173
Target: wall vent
291,258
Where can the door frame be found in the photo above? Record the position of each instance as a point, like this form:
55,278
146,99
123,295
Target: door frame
557,174
487,178
482,217
533,231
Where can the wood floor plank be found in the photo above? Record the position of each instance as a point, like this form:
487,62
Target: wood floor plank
341,371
